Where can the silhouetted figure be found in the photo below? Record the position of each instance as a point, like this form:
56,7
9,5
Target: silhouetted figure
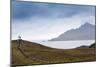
20,45
19,41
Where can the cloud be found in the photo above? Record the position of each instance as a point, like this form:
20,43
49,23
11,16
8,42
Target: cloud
43,21
44,29
24,10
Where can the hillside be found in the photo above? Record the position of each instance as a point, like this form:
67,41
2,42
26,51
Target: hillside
83,46
32,54
93,45
84,32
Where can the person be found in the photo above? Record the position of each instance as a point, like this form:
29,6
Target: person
19,41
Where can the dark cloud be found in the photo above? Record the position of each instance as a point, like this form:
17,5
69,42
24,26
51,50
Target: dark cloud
24,10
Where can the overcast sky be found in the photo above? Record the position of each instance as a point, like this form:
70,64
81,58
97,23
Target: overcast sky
43,21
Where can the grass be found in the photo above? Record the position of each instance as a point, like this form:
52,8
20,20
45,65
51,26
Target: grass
33,54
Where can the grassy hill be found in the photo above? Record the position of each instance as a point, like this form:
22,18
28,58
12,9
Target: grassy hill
93,45
32,54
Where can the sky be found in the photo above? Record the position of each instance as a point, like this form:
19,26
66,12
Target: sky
44,21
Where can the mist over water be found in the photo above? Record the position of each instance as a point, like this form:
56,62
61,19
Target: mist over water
66,44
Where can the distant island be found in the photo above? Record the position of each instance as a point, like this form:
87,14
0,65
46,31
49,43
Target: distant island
91,46
84,32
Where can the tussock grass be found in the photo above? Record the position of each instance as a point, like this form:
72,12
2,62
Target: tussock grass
33,54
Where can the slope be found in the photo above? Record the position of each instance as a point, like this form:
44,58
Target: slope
32,54
84,32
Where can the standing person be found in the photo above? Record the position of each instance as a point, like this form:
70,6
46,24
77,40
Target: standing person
19,41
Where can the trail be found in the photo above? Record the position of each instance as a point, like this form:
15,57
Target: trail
22,52
33,59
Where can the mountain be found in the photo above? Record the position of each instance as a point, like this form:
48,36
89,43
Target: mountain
84,32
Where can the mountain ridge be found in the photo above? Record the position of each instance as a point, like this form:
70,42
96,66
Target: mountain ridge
84,32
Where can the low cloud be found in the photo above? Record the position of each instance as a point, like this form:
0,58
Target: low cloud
38,28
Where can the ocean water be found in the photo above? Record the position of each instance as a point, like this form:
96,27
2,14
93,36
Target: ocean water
66,44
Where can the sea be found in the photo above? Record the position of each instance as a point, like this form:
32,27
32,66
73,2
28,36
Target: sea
66,44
